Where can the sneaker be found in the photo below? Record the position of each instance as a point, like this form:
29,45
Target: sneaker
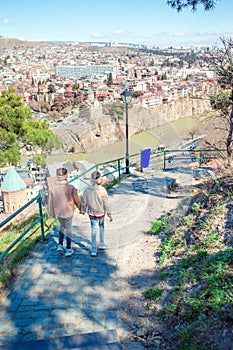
102,246
69,252
60,248
94,252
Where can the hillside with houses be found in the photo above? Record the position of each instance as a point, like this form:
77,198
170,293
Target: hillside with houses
76,87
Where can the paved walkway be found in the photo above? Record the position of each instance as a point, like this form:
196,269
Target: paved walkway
54,296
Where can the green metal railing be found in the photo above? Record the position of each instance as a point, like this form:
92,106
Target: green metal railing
175,158
40,219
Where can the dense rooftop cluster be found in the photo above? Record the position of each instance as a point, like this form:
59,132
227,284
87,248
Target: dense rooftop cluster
153,76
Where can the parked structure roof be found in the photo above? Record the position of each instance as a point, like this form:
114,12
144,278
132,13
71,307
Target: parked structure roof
12,181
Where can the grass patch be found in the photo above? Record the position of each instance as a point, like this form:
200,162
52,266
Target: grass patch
156,227
153,293
4,276
197,263
188,220
163,274
202,292
159,224
22,250
15,256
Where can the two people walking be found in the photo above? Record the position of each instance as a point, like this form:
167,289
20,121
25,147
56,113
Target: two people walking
63,198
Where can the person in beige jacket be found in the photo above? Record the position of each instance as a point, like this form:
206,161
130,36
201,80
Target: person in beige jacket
63,197
95,202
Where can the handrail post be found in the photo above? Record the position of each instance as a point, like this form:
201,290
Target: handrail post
164,160
41,217
200,158
141,168
118,168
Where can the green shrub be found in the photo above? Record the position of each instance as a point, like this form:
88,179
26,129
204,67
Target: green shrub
153,293
4,276
157,225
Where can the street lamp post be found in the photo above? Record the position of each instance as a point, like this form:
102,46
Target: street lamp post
126,98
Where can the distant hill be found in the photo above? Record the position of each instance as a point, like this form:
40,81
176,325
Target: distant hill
7,43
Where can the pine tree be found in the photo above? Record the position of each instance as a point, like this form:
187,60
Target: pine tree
110,81
18,128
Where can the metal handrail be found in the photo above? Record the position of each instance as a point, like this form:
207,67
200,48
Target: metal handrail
40,219
169,155
9,218
198,155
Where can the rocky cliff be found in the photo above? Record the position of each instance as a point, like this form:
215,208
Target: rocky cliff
89,137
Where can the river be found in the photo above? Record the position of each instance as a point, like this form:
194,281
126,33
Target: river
169,135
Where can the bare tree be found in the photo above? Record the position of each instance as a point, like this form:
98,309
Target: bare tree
221,62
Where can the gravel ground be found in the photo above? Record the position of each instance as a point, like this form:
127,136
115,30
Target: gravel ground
140,324
139,268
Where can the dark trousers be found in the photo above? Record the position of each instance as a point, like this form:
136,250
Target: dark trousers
65,230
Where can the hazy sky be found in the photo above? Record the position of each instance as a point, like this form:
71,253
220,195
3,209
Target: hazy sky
143,22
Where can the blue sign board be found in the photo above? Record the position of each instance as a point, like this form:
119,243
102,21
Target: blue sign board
145,158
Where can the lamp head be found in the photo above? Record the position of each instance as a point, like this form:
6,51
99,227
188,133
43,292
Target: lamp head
126,96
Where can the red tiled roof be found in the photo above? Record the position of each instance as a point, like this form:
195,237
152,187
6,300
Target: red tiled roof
28,180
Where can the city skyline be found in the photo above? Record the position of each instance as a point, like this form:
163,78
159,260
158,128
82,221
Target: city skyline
152,22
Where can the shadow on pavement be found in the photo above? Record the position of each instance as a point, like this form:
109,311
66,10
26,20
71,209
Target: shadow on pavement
54,296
